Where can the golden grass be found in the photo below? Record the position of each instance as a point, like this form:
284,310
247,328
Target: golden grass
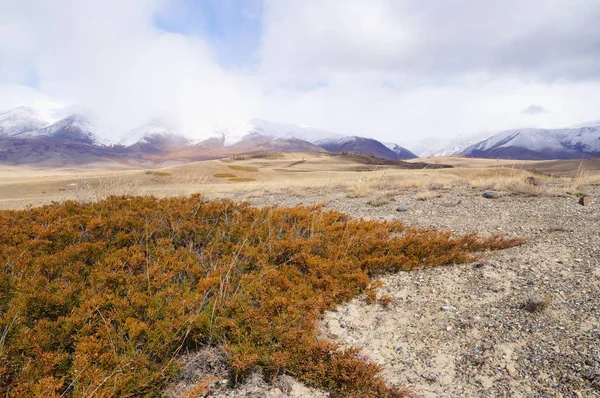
428,195
242,179
248,169
158,173
322,173
224,175
379,201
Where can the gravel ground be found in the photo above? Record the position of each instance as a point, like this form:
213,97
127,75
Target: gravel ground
523,322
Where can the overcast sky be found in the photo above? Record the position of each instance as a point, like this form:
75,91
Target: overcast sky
396,70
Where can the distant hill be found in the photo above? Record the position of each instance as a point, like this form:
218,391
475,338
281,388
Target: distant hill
367,146
538,144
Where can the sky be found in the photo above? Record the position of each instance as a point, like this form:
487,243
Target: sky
404,71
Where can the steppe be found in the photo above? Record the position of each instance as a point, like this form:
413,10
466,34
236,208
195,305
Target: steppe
522,322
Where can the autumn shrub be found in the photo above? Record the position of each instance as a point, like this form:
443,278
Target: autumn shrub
104,298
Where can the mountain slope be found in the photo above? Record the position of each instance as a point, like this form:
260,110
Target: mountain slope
367,146
400,151
76,129
539,144
157,136
25,119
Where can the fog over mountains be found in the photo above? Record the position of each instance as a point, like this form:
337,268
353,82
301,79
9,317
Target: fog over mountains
161,136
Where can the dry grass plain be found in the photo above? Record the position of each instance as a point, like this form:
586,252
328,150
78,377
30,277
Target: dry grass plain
22,186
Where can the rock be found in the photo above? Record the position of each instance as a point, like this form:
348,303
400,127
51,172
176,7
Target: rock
448,308
401,208
534,181
511,369
585,201
491,195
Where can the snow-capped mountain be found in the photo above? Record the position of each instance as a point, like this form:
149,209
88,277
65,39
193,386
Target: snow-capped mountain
22,120
158,135
367,146
240,130
36,129
539,144
76,128
460,143
401,151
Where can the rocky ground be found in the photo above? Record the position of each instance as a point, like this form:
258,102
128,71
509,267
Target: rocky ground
524,322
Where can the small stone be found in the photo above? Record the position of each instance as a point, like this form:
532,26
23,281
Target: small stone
491,195
585,201
511,369
448,308
402,208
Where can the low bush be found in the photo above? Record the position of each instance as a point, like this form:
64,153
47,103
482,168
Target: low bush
104,298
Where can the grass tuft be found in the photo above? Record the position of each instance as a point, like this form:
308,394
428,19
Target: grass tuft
536,304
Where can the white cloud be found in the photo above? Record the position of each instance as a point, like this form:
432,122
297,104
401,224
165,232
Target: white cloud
395,70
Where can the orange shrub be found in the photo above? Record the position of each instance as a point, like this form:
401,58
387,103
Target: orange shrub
102,298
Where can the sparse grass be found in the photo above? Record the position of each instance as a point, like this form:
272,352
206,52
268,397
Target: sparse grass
242,179
362,188
378,201
582,179
104,298
428,195
88,190
536,304
224,175
157,173
248,169
505,179
519,181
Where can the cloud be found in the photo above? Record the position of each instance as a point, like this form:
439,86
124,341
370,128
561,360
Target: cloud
534,109
430,40
397,70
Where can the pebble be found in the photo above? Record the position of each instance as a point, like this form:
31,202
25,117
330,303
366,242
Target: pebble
491,195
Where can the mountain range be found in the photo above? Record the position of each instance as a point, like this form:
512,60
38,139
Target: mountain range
33,135
538,144
27,129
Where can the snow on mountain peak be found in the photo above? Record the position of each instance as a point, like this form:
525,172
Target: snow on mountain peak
73,128
23,120
157,127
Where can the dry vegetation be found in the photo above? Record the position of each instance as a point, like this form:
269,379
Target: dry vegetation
224,175
103,298
247,169
293,173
